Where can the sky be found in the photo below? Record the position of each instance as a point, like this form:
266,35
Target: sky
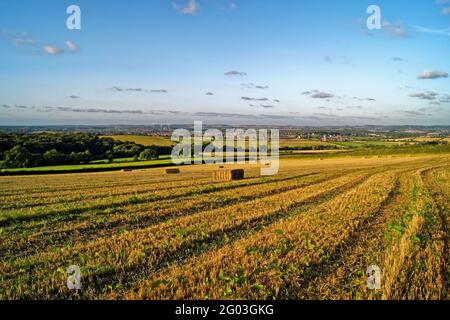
284,62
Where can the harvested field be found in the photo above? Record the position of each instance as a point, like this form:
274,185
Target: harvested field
309,232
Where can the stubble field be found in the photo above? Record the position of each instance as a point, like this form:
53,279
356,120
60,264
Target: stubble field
310,232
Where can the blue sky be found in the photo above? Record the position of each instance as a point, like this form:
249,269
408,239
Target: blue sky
225,61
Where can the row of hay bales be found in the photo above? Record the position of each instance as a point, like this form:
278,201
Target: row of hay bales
218,175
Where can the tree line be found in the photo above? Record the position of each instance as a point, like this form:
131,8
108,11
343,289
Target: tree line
19,150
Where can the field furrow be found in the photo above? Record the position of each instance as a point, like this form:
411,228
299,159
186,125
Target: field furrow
310,232
69,211
437,183
130,217
344,277
271,264
144,249
413,263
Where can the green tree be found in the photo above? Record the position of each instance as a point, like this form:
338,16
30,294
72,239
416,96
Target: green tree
18,157
109,155
149,154
80,157
53,157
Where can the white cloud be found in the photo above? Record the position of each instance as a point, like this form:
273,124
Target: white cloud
395,30
321,95
120,89
316,94
442,32
18,38
445,98
235,73
254,86
52,50
428,95
72,46
254,99
19,42
189,7
428,74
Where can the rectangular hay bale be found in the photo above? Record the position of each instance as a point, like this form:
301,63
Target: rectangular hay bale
172,171
228,175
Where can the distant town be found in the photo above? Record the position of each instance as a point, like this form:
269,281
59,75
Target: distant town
325,133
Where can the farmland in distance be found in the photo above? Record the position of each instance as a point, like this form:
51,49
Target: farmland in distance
154,140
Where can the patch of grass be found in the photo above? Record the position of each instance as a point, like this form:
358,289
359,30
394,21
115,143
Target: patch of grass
91,167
